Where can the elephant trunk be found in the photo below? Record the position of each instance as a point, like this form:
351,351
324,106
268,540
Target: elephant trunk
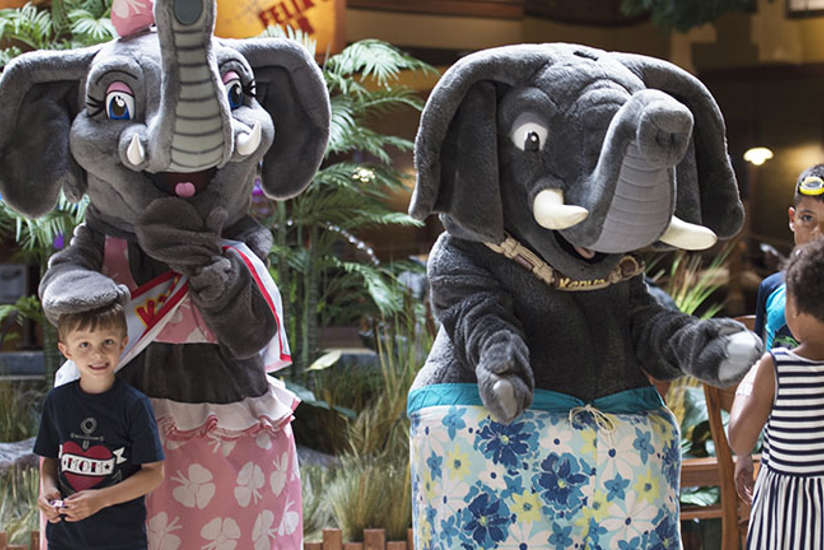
193,131
646,138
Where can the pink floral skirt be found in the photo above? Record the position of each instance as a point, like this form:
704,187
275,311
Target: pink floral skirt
224,494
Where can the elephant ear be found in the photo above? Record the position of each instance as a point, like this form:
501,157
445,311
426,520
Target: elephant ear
40,94
456,149
290,86
706,185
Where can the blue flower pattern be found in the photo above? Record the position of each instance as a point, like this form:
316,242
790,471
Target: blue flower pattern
551,489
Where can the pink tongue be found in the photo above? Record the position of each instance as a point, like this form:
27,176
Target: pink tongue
585,253
185,189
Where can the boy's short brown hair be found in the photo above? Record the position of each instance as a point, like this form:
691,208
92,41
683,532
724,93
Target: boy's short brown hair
804,276
111,316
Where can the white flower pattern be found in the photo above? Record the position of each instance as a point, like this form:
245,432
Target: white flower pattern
289,521
159,532
279,477
222,532
263,530
249,480
195,490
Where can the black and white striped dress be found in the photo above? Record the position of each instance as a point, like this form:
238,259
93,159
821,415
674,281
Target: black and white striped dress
788,501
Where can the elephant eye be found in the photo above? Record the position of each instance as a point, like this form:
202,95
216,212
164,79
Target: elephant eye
234,90
528,134
119,102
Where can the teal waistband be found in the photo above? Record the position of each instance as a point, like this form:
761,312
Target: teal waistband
625,402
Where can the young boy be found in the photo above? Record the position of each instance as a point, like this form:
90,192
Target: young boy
99,442
807,223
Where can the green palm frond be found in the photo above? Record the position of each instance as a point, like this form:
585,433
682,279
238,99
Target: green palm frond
88,28
296,35
374,59
28,25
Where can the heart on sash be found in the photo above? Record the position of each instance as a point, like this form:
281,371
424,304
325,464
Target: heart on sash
84,469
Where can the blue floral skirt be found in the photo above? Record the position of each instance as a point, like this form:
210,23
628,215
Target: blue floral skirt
564,474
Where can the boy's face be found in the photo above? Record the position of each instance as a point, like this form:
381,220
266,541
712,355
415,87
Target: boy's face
807,220
95,353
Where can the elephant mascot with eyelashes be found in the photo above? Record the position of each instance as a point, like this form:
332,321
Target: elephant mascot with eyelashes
533,421
166,130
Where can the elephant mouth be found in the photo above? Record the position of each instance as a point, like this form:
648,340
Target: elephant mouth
580,252
182,184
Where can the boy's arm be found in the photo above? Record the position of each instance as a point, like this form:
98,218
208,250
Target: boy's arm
83,504
48,489
750,410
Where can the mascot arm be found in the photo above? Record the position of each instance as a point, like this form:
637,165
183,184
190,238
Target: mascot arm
73,282
478,316
670,343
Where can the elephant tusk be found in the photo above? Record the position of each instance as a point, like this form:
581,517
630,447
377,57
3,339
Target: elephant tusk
688,236
248,143
550,212
135,153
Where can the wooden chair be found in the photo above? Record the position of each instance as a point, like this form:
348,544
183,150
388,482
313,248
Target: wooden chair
719,471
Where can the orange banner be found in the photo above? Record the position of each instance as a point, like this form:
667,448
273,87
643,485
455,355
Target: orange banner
320,19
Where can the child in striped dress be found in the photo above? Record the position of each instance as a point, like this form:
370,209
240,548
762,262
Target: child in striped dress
785,390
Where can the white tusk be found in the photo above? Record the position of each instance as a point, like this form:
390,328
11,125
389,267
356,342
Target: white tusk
688,236
550,211
248,143
135,153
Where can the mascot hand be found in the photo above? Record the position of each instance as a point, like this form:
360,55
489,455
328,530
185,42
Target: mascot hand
505,381
743,348
172,231
727,356
82,290
210,282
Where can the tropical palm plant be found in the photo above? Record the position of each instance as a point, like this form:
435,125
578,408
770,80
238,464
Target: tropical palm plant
61,24
327,274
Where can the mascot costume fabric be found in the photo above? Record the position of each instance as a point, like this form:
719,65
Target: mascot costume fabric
166,131
534,424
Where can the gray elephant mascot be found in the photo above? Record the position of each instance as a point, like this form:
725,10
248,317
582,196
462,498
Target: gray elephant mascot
533,421
166,131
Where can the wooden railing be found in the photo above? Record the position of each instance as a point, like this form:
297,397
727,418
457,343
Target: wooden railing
373,539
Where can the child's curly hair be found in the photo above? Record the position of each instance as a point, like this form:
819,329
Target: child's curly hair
804,277
111,316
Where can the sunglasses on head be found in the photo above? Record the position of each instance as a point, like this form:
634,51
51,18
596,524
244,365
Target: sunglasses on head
811,185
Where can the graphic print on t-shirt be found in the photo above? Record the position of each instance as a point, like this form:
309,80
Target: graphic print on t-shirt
85,465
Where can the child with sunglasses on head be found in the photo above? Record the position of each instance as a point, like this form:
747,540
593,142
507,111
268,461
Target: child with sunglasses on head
806,217
785,390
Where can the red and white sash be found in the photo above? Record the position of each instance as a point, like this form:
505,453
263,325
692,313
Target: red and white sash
155,303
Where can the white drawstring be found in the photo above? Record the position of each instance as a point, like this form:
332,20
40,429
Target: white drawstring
603,420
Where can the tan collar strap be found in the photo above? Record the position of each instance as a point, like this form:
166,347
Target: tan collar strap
627,268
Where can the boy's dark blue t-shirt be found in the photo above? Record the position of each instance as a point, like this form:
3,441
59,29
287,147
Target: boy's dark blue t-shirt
99,440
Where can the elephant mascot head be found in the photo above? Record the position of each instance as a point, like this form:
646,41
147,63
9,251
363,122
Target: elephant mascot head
582,154
174,112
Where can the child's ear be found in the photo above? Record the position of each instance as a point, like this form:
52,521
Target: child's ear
64,349
791,217
124,342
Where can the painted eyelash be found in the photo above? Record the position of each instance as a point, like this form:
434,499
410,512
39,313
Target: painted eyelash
250,89
97,105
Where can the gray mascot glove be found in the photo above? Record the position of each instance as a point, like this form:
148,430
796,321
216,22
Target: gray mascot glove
82,290
172,231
